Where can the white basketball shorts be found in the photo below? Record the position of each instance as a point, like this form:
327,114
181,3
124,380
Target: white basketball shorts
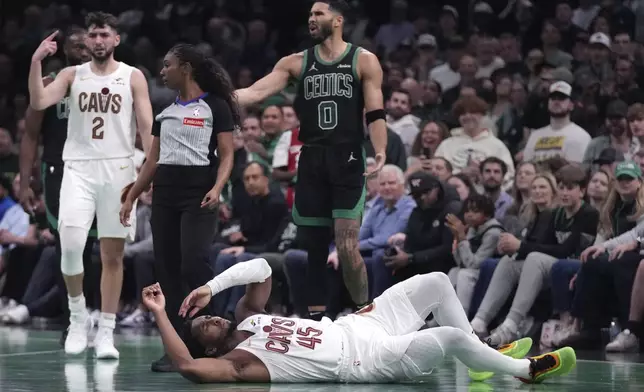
93,187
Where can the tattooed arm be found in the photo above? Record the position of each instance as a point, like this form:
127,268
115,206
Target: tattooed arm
354,271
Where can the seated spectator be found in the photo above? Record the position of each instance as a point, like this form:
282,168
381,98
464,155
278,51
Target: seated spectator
14,221
526,171
562,138
608,159
427,243
400,119
493,171
572,227
388,216
602,288
258,223
427,141
628,340
475,238
470,145
440,168
463,185
395,152
538,230
618,137
598,187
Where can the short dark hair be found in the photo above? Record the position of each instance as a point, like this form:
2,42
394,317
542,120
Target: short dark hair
265,170
196,349
101,19
339,6
479,203
571,174
498,161
469,105
401,91
73,30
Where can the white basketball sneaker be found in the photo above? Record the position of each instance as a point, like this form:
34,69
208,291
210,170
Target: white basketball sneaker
79,327
104,344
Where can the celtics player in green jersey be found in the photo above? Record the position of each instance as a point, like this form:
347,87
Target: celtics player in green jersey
337,83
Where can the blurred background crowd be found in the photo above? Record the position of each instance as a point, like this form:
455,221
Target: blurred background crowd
526,121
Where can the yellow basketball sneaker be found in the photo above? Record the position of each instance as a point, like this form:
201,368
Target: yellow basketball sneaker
556,363
517,350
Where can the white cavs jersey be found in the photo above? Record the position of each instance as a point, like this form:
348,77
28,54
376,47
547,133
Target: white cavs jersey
102,121
295,350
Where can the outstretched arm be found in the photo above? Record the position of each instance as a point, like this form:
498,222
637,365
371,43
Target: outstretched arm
371,74
142,109
272,83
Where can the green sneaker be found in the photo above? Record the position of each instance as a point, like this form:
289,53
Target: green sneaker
517,350
556,363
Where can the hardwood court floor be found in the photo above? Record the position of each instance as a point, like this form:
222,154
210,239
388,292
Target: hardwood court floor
31,360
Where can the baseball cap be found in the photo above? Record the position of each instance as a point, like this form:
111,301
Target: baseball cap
628,169
599,39
561,87
426,40
616,109
421,182
609,155
448,9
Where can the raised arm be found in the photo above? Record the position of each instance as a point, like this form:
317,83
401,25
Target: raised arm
43,97
371,74
255,273
142,108
28,153
272,83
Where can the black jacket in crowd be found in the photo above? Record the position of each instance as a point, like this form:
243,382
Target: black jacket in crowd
428,239
285,238
262,219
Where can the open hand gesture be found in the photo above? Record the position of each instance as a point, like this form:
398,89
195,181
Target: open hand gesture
195,301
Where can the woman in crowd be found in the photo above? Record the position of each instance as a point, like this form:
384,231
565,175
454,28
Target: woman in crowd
190,161
526,171
463,185
602,287
535,220
427,140
572,227
598,189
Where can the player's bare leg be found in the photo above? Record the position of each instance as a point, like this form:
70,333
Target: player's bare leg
354,270
72,244
111,284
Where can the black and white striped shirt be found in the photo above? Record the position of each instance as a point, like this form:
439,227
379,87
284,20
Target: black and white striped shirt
188,130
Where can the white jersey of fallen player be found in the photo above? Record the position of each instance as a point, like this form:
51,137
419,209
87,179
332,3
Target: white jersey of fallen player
295,350
102,121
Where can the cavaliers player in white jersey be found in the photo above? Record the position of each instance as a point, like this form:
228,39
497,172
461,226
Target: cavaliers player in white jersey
380,343
108,103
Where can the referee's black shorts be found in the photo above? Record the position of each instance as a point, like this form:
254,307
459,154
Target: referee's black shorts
52,178
330,184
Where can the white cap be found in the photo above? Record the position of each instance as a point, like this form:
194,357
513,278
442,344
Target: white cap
426,40
561,88
600,38
483,7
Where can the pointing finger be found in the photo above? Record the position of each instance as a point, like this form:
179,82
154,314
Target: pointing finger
52,36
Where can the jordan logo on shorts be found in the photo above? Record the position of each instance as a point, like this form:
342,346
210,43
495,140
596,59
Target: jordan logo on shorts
351,158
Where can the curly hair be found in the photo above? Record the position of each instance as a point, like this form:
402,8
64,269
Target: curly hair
209,75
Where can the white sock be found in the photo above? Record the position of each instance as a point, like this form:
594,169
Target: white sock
510,325
77,304
478,325
430,346
107,321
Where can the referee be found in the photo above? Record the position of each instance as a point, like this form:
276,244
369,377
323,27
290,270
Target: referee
190,161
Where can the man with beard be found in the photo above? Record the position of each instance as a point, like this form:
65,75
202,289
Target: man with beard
562,138
618,137
337,80
108,102
400,119
493,171
52,123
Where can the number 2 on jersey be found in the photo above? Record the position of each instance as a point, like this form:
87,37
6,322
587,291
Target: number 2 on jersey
307,337
97,128
327,115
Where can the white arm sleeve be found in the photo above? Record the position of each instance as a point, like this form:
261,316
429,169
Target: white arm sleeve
252,271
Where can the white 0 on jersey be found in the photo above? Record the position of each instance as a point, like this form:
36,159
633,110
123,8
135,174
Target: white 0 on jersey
295,350
102,122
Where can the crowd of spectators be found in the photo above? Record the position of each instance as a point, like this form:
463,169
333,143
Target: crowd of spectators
514,162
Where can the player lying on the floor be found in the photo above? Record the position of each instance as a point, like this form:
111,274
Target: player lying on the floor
379,343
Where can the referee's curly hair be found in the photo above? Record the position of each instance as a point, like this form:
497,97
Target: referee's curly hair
209,75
